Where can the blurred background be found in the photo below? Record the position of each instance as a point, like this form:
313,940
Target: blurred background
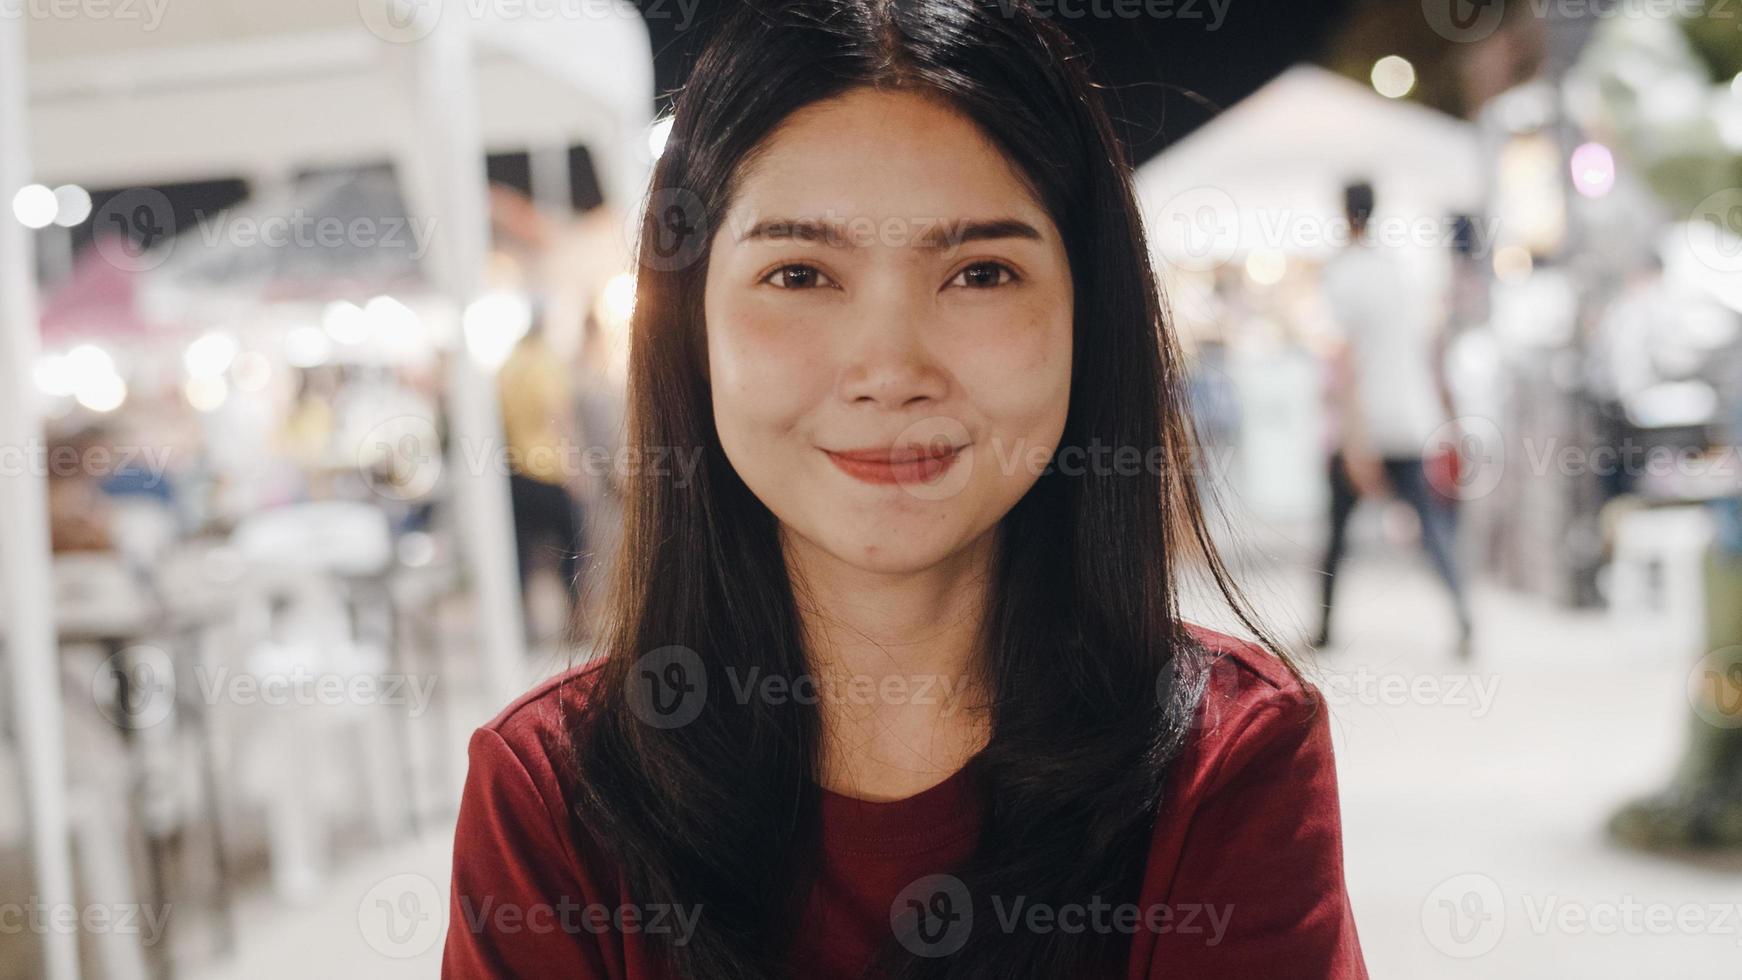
312,326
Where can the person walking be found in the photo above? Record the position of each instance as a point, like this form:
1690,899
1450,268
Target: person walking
536,402
1390,400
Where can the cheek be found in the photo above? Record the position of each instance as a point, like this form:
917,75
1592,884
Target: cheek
762,372
1018,373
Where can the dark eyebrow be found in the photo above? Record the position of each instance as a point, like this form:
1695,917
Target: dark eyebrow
975,231
933,235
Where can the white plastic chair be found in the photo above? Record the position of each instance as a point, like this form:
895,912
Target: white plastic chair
297,617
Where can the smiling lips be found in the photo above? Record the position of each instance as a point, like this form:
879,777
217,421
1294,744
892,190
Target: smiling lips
907,464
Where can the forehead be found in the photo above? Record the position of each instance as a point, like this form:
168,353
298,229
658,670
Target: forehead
877,154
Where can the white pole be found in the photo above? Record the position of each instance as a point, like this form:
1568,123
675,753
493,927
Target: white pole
26,564
451,153
548,173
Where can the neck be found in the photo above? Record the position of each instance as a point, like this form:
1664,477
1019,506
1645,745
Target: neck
897,659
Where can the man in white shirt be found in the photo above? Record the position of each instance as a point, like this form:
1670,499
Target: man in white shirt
1390,400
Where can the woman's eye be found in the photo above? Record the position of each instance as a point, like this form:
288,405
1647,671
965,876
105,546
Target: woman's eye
984,275
797,276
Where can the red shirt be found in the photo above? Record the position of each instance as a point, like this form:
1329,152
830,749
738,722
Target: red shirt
1244,877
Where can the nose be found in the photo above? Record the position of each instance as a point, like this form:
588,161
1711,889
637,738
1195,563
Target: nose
886,362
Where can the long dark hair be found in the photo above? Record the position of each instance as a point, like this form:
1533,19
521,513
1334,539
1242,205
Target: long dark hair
1092,678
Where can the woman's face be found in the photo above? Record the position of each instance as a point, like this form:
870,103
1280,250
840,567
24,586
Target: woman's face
889,318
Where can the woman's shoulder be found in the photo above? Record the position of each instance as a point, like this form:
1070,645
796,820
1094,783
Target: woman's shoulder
518,770
1254,705
1249,835
535,726
523,868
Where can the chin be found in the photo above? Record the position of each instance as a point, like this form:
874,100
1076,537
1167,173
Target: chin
886,557
893,547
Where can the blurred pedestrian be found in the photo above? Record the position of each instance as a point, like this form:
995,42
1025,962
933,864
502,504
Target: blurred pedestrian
537,405
78,511
1390,397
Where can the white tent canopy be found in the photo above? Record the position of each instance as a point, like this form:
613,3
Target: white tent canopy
1269,172
327,91
157,93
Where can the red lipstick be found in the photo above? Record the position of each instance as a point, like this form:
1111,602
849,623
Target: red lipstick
888,465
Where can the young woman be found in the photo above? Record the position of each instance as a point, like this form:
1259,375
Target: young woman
895,682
